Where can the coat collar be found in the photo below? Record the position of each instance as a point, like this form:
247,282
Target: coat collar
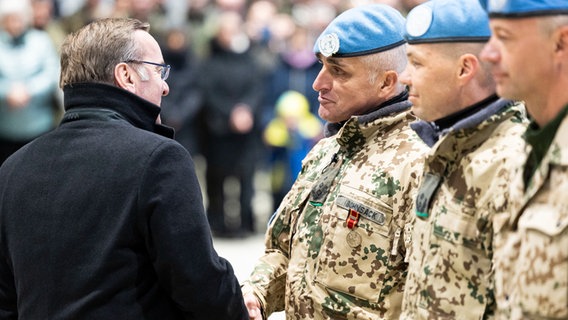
556,155
137,111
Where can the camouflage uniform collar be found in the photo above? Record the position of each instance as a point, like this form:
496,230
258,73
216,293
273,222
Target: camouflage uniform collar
541,138
354,134
396,104
547,144
450,120
430,133
560,144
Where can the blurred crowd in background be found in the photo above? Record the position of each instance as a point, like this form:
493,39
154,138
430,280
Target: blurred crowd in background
241,97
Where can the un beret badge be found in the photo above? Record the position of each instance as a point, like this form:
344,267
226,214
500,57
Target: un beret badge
419,21
497,4
329,44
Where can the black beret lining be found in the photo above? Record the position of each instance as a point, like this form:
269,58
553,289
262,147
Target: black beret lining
550,12
448,39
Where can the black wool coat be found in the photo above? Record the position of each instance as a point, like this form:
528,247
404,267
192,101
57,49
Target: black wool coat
102,218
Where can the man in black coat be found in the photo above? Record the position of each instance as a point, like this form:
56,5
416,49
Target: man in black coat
103,217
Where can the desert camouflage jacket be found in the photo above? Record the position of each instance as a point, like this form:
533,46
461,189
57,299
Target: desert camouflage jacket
335,247
466,177
531,241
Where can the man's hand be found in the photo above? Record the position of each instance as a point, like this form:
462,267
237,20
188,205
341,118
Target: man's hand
18,96
253,306
242,119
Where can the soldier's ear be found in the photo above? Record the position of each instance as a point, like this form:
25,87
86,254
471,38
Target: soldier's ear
125,77
390,80
468,67
561,40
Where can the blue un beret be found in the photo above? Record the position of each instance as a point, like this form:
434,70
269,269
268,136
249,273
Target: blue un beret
362,30
524,8
447,21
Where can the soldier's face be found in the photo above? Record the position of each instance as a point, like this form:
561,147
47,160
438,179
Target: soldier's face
431,77
521,55
344,89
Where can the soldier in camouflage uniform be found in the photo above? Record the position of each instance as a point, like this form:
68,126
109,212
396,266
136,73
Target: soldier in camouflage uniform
529,52
476,141
336,246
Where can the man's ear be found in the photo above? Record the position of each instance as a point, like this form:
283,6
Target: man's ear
468,64
561,41
390,81
124,77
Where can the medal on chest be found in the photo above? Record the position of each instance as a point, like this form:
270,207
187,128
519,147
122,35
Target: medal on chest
353,238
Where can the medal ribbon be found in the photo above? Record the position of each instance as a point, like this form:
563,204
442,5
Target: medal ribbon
352,219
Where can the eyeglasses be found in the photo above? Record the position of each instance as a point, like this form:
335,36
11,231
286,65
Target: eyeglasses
164,72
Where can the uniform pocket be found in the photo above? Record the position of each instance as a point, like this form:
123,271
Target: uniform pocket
544,219
457,268
357,260
458,224
543,266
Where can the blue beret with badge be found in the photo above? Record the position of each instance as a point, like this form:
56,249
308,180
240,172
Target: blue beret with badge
447,21
524,8
362,30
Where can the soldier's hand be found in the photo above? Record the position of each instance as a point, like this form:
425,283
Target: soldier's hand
253,305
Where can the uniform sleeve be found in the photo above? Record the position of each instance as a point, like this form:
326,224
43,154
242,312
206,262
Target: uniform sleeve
268,279
179,241
410,176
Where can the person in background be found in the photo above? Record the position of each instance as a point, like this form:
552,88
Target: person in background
259,16
181,108
232,93
289,136
44,19
296,68
88,12
407,5
528,52
336,246
153,12
28,78
102,218
476,145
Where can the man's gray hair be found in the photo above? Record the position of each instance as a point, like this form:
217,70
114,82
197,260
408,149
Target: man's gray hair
393,59
549,24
